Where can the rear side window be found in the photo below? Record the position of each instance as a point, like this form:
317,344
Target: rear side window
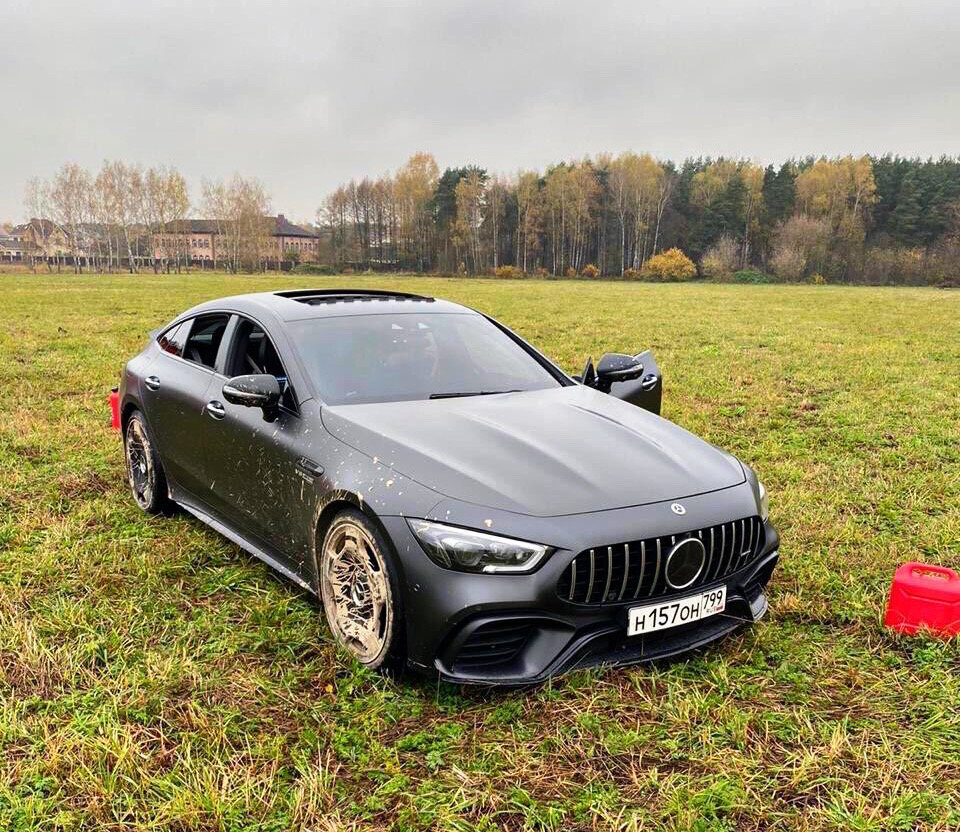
204,339
174,339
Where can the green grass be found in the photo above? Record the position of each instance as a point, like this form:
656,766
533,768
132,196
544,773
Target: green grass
153,676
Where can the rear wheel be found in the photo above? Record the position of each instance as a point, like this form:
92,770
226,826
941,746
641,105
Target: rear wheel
358,587
148,484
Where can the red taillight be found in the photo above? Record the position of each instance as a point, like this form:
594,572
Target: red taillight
115,409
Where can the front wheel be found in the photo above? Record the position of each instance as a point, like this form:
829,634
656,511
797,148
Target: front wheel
359,590
148,484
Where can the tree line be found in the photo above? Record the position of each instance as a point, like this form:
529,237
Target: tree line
866,219
108,219
881,220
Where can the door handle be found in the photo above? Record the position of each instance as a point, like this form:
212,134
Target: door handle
215,410
649,381
152,382
308,466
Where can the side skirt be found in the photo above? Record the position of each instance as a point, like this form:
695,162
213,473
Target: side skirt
245,544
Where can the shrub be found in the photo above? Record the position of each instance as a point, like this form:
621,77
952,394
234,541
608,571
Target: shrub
542,272
751,276
632,274
347,270
670,266
507,272
817,279
788,263
890,266
802,243
943,264
720,260
313,268
570,272
590,271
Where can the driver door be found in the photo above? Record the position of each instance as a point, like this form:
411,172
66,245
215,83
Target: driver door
252,463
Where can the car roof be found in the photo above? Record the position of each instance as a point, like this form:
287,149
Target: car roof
304,304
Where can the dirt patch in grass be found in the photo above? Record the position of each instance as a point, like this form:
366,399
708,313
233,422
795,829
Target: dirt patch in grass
31,677
81,484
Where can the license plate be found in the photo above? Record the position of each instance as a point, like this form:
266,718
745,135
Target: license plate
642,620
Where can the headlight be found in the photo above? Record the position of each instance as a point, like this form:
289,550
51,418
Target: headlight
470,551
764,502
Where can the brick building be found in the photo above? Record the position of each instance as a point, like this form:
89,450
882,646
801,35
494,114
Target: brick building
202,241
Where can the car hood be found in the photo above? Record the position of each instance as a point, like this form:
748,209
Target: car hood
565,450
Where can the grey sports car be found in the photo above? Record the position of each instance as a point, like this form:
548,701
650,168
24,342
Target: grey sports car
460,505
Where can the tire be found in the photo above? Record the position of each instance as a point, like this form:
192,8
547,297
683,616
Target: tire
360,592
145,476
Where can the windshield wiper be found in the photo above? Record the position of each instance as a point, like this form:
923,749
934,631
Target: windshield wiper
470,393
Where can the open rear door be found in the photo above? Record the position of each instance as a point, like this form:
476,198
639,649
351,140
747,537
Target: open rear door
646,391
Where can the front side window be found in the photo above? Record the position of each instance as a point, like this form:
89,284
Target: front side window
382,358
253,352
205,337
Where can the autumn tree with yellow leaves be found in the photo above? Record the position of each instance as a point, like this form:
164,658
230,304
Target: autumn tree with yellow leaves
617,212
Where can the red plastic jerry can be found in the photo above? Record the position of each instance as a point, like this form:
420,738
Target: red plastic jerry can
924,597
115,409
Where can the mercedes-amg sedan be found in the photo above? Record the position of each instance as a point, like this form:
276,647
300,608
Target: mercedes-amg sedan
459,504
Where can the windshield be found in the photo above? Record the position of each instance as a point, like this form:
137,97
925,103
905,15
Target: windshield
388,358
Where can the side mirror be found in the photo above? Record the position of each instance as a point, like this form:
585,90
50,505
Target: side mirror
260,390
615,366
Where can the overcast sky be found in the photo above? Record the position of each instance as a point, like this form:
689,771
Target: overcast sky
307,94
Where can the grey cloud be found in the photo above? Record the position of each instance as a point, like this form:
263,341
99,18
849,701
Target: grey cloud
305,94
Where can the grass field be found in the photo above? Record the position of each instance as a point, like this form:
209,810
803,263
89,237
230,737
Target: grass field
153,676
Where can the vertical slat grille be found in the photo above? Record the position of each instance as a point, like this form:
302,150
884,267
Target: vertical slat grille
626,570
643,567
724,559
636,570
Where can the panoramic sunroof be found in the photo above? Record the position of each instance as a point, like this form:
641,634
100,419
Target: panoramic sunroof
313,297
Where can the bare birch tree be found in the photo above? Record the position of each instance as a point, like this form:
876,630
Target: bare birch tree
239,208
69,203
37,204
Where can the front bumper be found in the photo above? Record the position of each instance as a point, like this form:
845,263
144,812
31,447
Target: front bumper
553,645
515,629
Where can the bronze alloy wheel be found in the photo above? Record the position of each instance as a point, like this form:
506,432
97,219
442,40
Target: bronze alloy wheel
141,472
355,587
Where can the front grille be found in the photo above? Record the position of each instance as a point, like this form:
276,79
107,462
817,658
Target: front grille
493,644
636,570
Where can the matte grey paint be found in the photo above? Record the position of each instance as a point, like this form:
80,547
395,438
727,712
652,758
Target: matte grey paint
568,450
569,467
